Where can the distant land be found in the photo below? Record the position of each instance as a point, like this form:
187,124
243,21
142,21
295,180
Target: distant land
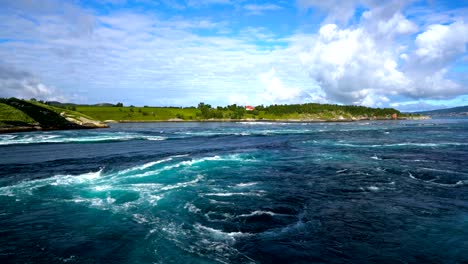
18,115
29,115
460,111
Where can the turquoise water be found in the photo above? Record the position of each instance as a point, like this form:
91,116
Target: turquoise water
363,192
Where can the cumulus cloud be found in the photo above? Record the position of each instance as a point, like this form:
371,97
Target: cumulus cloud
365,64
140,57
22,84
276,90
441,44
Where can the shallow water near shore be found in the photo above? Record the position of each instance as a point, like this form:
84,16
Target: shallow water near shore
360,192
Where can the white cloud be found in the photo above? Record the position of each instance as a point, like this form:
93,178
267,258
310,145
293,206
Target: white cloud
141,58
258,9
349,66
336,10
21,84
365,64
276,90
440,44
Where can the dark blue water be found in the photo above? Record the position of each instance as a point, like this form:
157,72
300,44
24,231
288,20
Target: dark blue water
362,192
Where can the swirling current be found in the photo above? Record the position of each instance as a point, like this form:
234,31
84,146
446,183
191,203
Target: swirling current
361,192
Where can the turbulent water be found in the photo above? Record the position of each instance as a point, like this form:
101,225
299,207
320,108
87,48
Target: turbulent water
394,191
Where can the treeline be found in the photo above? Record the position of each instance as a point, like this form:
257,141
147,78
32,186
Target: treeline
238,112
313,108
228,112
308,111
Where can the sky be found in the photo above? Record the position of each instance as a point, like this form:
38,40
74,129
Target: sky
407,54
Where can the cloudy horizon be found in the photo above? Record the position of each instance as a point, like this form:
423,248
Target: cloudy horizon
410,55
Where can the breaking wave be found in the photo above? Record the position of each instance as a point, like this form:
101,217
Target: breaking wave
64,137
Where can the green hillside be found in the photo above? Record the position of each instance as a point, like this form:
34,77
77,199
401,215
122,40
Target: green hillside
459,111
138,113
12,116
22,115
304,112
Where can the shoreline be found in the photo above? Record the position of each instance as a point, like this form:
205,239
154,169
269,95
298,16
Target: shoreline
6,130
261,120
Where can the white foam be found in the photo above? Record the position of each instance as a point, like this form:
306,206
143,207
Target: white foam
189,163
144,166
153,199
432,181
234,194
110,200
255,213
192,208
91,175
375,157
373,188
154,138
101,188
219,234
217,202
67,138
266,123
182,184
464,182
141,219
70,179
247,184
180,156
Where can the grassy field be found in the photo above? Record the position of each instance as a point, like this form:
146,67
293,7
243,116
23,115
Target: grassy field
26,115
137,113
9,114
60,110
104,113
30,114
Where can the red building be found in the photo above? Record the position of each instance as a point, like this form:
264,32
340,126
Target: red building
249,108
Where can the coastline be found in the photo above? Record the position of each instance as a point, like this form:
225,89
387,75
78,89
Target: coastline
265,120
6,130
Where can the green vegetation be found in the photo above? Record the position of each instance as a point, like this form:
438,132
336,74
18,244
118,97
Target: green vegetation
33,114
329,111
42,115
137,113
23,115
69,111
308,112
12,116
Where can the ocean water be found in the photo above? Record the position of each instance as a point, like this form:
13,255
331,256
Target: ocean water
362,192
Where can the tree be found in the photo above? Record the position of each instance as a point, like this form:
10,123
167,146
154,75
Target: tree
119,104
205,110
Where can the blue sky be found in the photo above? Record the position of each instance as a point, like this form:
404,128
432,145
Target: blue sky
411,55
